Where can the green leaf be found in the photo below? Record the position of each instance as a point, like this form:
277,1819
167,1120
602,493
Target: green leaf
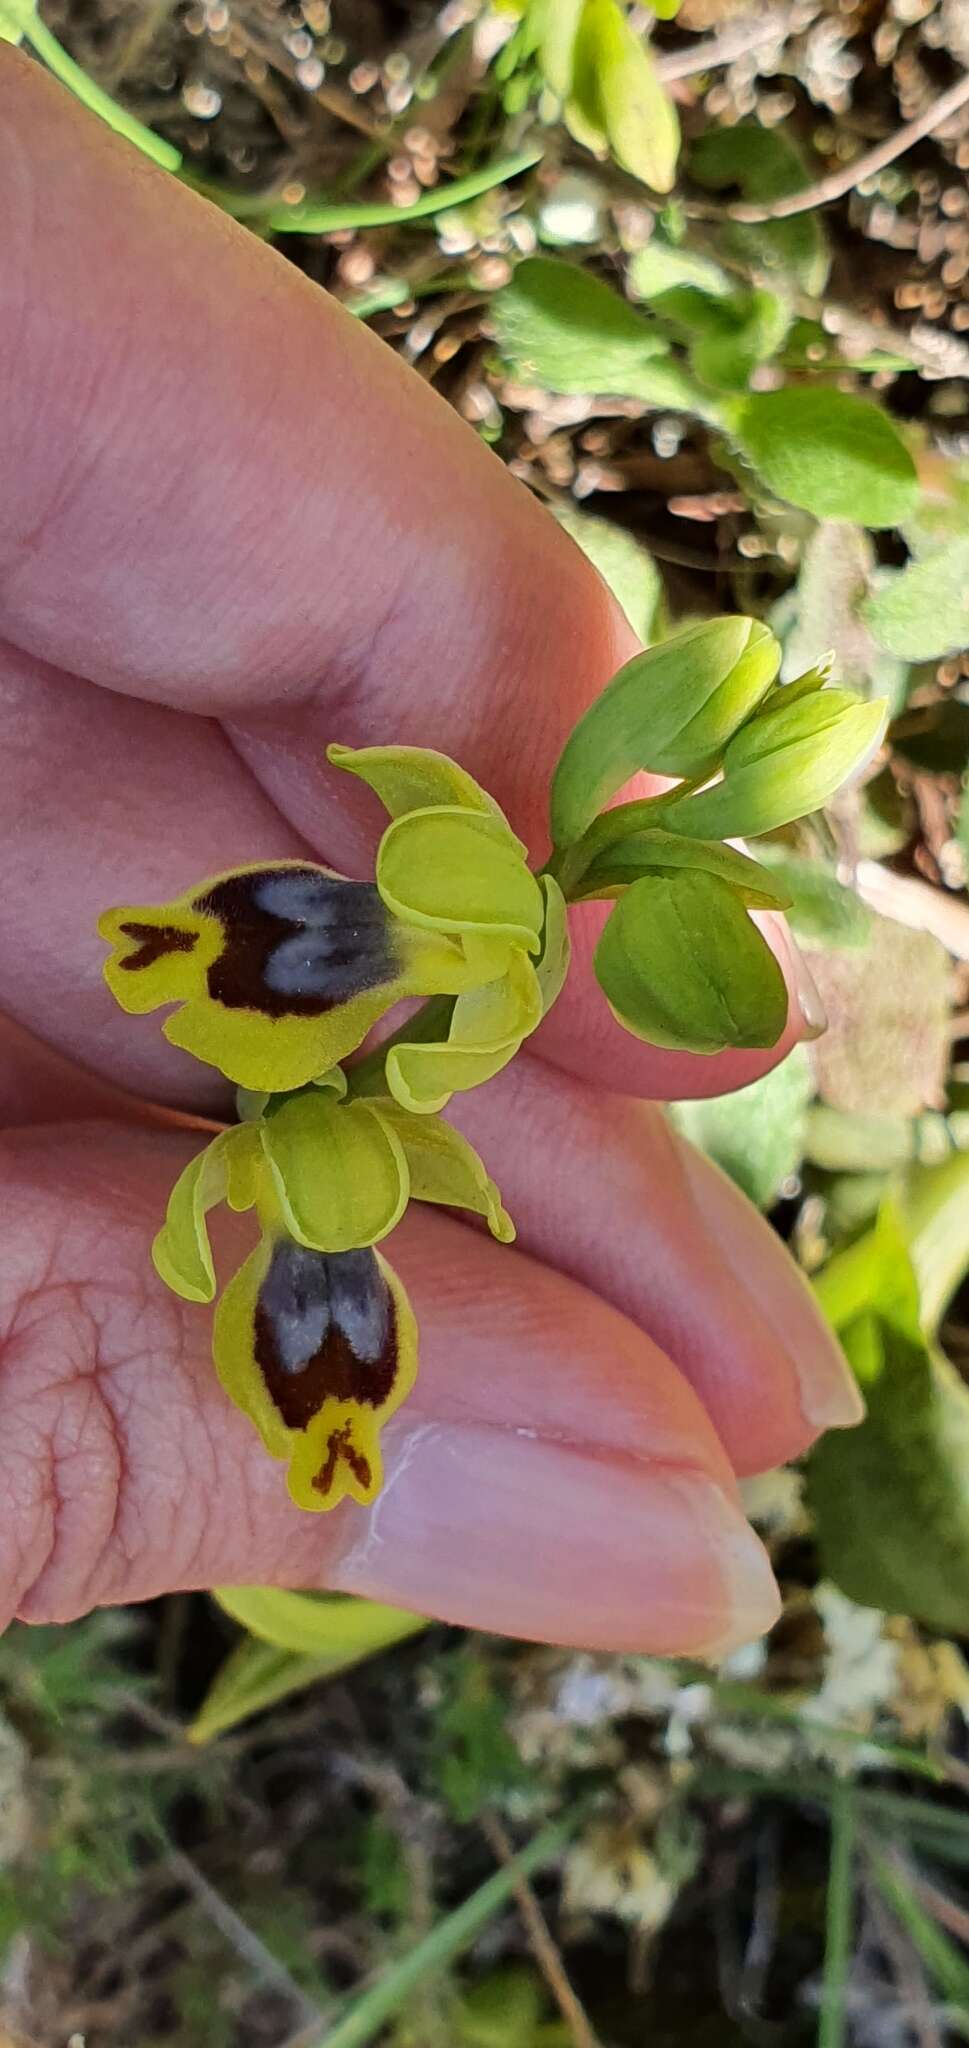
891,1501
821,911
669,275
757,1135
295,1639
669,709
562,328
620,862
682,965
617,88
337,1626
763,164
15,19
253,1677
922,612
369,2011
835,455
782,765
559,27
623,563
749,331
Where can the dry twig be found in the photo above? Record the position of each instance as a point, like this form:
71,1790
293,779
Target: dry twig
837,183
540,1940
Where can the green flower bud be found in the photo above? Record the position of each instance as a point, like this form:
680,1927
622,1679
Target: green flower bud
681,964
783,765
672,709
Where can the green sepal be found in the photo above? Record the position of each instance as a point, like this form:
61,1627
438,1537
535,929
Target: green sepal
783,766
552,966
682,965
672,709
460,872
339,1174
486,1029
617,866
443,1167
414,779
226,1170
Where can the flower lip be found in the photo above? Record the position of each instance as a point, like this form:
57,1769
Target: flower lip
324,1330
297,940
155,941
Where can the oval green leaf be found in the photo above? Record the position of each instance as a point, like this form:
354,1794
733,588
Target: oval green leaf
835,455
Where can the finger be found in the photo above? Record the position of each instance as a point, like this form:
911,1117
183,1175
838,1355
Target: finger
553,1476
361,568
157,801
41,1086
106,801
602,1189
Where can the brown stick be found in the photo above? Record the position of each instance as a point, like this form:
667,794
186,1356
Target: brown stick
839,182
732,42
540,1940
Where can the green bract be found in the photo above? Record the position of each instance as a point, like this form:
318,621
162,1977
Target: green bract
671,710
630,855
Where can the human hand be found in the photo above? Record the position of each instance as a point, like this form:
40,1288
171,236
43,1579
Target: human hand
240,528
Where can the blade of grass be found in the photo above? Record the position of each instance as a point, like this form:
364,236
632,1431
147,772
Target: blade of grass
57,60
943,1960
839,1917
321,217
455,1932
943,1830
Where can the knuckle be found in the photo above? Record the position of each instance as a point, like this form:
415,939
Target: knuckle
82,1333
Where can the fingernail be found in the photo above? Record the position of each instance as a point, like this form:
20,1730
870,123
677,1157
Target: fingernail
501,1530
810,1002
827,1390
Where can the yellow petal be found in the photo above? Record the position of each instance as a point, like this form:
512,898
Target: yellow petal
487,1028
181,1252
340,1173
459,871
443,1167
553,966
414,779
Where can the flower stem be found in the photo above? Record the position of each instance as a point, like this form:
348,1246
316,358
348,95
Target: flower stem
57,60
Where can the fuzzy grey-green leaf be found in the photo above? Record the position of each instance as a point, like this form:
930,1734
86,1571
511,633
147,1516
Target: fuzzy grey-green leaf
835,455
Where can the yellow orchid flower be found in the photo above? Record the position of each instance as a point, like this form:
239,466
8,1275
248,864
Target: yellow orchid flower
281,968
314,1337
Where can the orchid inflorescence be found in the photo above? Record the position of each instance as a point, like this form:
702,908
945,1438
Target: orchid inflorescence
281,969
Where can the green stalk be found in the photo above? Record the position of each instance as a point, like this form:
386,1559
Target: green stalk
46,45
839,1919
324,217
370,2012
568,864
